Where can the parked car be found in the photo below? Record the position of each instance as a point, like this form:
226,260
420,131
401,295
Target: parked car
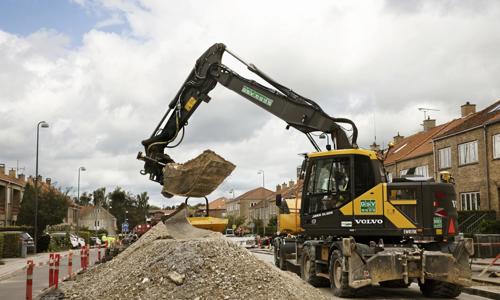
229,232
94,241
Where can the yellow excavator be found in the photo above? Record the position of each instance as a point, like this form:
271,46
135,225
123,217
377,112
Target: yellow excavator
356,229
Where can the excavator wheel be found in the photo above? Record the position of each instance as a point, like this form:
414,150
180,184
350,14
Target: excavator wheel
439,289
279,260
394,284
339,280
308,267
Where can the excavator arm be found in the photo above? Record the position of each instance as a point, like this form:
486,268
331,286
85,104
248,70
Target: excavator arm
298,112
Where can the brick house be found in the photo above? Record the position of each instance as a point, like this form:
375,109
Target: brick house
217,208
267,209
470,151
240,206
413,155
467,147
11,194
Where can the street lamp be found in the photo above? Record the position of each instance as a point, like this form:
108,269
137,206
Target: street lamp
78,198
42,124
265,201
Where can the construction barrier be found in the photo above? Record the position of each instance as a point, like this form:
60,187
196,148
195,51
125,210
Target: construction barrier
51,269
70,264
29,280
57,257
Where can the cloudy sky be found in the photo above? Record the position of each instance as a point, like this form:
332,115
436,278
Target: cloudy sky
101,73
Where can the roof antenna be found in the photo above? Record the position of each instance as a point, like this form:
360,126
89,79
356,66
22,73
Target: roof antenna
425,110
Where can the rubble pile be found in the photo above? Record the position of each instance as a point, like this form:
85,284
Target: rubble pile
158,266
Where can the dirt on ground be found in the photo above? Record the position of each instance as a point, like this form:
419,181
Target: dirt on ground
161,266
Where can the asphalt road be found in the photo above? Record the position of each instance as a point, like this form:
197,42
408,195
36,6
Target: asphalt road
14,287
413,292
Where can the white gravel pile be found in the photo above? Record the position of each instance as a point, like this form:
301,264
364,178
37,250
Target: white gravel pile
159,267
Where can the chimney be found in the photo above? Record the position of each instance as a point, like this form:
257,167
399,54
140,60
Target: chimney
48,181
429,123
468,109
39,179
283,186
398,138
290,183
12,173
2,168
278,188
21,177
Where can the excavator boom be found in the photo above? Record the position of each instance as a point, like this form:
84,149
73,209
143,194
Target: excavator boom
297,111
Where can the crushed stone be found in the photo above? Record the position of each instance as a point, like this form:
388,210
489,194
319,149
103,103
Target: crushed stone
158,266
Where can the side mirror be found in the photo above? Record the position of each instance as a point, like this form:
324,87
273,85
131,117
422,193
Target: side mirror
278,200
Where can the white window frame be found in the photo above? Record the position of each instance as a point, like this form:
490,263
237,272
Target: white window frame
444,158
422,171
467,153
496,145
470,201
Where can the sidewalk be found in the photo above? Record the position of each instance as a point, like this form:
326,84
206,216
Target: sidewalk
14,265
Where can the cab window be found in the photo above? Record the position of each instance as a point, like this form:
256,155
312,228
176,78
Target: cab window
329,184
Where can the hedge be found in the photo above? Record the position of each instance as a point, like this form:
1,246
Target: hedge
489,227
11,244
58,243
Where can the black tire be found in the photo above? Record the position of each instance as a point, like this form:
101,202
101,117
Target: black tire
279,260
308,268
339,280
394,284
439,289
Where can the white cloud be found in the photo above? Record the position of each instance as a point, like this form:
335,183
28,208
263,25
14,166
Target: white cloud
356,59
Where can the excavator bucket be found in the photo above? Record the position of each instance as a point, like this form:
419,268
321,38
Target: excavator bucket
179,227
197,177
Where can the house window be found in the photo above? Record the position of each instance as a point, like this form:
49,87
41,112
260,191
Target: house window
496,145
470,201
467,153
445,158
422,171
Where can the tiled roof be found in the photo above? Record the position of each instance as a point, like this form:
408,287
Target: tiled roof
85,210
16,181
219,203
255,194
418,144
489,114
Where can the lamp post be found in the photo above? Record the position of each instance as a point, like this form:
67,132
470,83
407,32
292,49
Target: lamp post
78,197
263,197
42,124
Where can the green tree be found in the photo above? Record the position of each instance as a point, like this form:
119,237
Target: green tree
142,204
100,198
85,199
52,207
235,220
272,225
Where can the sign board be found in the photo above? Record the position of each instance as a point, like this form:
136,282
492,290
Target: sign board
124,227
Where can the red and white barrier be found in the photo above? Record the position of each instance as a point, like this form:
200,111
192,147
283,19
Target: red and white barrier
51,269
70,264
56,269
29,280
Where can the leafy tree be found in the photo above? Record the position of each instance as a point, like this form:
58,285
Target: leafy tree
85,199
100,198
235,220
272,225
142,203
52,207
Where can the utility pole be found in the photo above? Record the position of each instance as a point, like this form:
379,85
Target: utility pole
264,199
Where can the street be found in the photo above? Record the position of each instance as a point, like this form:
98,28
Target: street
413,292
14,287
